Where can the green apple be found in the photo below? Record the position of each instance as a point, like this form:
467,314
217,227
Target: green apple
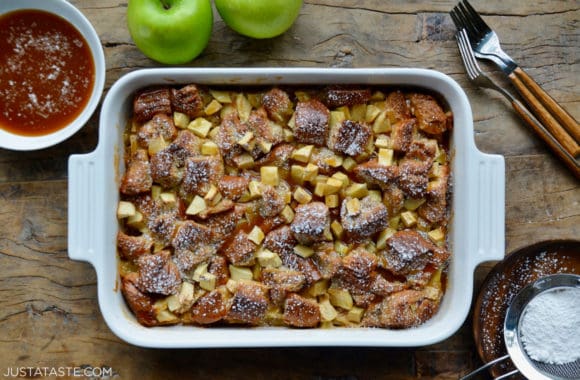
170,31
259,18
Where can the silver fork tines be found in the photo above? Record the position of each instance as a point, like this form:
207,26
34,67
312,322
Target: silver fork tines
477,76
474,72
483,39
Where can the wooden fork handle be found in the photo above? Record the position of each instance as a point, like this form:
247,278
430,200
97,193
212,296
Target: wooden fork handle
549,139
540,107
565,119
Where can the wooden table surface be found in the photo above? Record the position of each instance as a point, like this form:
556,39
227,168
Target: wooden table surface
49,315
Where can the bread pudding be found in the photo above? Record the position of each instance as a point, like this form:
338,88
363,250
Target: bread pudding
285,206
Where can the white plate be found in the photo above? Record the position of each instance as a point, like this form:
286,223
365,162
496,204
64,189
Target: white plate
476,229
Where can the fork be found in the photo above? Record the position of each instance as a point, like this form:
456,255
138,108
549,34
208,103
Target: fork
477,76
486,45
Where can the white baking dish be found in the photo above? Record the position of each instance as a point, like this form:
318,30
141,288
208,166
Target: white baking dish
476,231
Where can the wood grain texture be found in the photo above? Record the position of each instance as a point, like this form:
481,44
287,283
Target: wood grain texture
49,314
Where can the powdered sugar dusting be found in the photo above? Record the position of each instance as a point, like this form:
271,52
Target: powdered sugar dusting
503,286
550,326
245,225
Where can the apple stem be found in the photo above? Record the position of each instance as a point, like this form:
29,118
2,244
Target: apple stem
166,5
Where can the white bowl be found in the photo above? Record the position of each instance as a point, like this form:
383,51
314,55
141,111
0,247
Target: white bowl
476,229
67,11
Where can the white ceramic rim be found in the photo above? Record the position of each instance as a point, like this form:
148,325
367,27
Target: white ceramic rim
69,12
476,235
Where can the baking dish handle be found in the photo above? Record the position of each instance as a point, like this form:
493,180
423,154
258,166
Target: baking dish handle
82,207
489,220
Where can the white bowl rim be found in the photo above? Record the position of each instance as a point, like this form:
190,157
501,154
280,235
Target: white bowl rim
74,16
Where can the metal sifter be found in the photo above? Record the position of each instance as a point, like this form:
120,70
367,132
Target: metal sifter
524,364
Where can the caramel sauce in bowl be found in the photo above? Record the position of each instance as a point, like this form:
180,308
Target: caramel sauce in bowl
52,73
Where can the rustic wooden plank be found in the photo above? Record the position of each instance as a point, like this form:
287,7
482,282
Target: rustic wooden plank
48,310
483,6
50,163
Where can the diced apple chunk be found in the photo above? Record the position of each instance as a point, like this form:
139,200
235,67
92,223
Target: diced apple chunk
358,112
337,229
268,259
342,178
221,96
156,191
297,174
348,164
310,172
156,145
353,206
320,189
168,198
211,193
180,120
333,186
165,316
173,303
200,126
386,157
199,271
302,196
383,141
334,161
136,220
288,134
125,209
247,142
357,190
196,206
209,148
340,298
437,235
381,123
256,235
244,107
303,250
383,236
264,146
269,175
355,314
327,311
255,188
372,112
240,273
213,107
332,200
318,288
336,117
303,154
376,195
244,161
413,204
231,285
287,214
207,281
409,218
341,248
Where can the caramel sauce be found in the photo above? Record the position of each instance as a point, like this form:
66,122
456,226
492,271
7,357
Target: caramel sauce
47,72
